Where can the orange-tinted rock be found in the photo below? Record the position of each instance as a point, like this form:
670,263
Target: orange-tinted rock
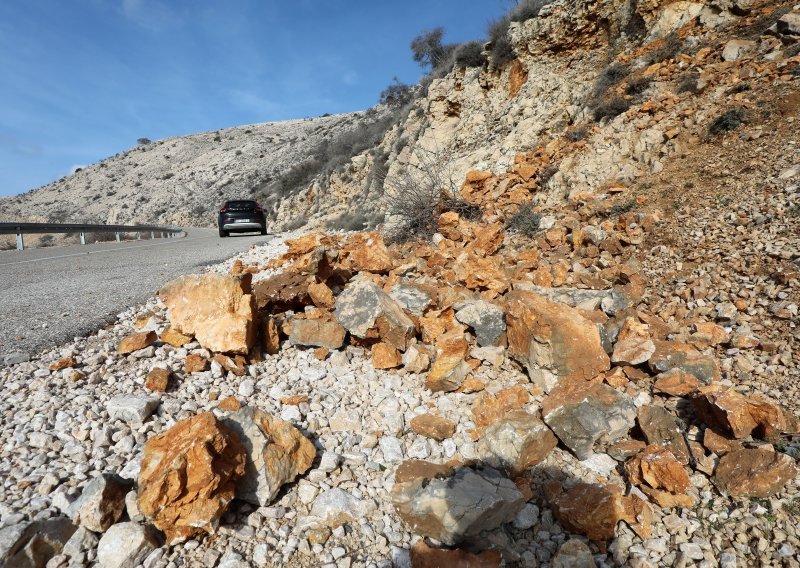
294,400
317,333
188,476
742,416
136,341
282,292
516,442
754,472
423,556
322,353
661,428
195,363
676,382
321,295
633,350
709,334
488,408
450,368
448,226
157,380
625,449
174,338
63,363
235,365
229,404
673,355
366,251
660,476
432,426
271,336
718,444
218,310
384,356
553,341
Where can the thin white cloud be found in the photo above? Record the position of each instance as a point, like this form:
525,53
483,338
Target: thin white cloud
150,14
350,78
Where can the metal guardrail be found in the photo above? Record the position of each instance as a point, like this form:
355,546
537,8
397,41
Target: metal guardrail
19,229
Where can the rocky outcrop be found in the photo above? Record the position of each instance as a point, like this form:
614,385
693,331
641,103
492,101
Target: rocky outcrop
188,476
277,453
218,310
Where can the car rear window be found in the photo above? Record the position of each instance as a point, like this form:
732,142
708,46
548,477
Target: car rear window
241,205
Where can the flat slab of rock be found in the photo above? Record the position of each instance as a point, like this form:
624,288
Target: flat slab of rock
670,355
131,408
432,426
516,442
451,505
317,333
277,453
219,310
136,341
661,428
754,472
583,414
125,545
188,476
424,556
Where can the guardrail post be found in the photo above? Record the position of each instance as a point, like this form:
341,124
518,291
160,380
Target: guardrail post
138,236
83,238
116,234
152,235
20,243
162,234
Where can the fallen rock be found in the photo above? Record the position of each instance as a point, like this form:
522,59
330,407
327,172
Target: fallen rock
174,337
449,369
277,453
488,321
282,292
33,544
63,363
188,476
676,382
633,350
195,363
125,545
321,295
516,442
660,476
271,337
450,504
367,252
741,416
317,333
157,379
235,364
573,554
552,340
229,404
336,506
584,414
594,510
754,472
102,502
489,408
218,310
415,359
411,298
661,428
673,355
424,556
719,444
363,306
434,427
136,341
735,48
131,408
384,356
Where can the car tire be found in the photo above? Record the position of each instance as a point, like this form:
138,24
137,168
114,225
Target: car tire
264,230
223,233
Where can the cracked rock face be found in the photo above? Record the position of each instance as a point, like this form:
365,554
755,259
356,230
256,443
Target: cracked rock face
102,502
488,321
451,505
125,545
517,442
277,453
317,333
754,472
587,413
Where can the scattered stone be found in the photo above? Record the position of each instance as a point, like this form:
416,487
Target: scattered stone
449,369
218,310
136,341
336,507
415,359
125,545
661,428
384,356
411,298
174,337
235,365
277,453
488,408
660,476
516,442
157,380
195,363
754,472
488,321
34,544
63,363
317,333
188,476
423,556
735,48
321,295
131,408
229,404
434,427
573,554
102,502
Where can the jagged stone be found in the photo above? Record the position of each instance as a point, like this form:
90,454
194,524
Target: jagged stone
235,365
174,337
754,472
321,295
661,428
424,556
125,545
552,340
188,476
131,408
33,544
516,442
672,355
195,363
317,333
660,476
488,408
102,502
366,251
136,341
487,319
384,356
363,306
411,298
742,416
633,350
218,310
453,504
157,379
415,359
584,414
432,426
676,382
277,453
282,292
449,369
573,554
719,444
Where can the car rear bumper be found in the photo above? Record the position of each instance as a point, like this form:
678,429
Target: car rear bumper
242,227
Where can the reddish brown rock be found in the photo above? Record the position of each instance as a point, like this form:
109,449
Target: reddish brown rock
63,363
709,334
553,341
366,251
449,369
754,472
384,356
317,333
488,408
432,426
660,476
136,341
174,338
188,476
282,292
157,380
321,295
741,416
423,556
271,336
294,400
229,404
195,363
625,449
719,444
235,365
673,355
218,310
676,382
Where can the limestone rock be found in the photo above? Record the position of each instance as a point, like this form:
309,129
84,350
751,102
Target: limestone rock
125,545
676,382
633,350
131,408
660,476
432,426
735,48
102,502
31,545
661,428
321,295
742,416
136,341
282,292
673,355
317,333
573,554
754,472
363,306
157,379
218,310
489,408
587,413
384,356
450,368
789,24
366,251
336,506
451,505
277,453
411,298
424,556
174,337
188,476
516,442
552,340
195,363
488,321
415,359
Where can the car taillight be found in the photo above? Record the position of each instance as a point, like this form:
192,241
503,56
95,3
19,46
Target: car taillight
223,210
259,209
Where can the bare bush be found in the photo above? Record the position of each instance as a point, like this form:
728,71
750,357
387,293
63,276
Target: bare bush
525,220
469,54
610,107
397,94
727,121
355,221
502,51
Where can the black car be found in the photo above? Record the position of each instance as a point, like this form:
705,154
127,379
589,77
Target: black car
241,216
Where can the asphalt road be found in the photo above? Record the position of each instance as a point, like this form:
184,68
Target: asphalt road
50,295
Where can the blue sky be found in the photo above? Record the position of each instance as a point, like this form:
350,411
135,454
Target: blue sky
83,79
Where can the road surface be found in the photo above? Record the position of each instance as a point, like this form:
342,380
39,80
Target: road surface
50,295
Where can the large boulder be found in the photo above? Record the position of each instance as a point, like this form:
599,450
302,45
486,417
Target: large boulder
218,310
277,453
125,545
583,414
281,292
102,502
552,340
453,504
31,545
516,442
188,476
754,472
367,311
